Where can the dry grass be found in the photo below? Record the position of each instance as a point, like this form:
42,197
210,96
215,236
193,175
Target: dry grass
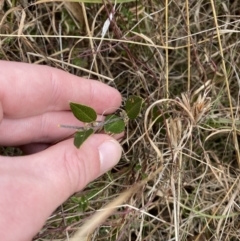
182,57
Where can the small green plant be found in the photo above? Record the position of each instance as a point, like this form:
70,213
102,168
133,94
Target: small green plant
113,124
82,202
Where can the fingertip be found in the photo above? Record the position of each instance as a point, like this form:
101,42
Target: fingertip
110,153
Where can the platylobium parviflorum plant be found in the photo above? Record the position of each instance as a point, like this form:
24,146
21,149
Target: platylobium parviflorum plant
112,124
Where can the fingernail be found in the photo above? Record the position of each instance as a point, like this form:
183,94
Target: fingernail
110,153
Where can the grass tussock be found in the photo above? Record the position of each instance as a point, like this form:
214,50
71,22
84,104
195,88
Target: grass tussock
181,158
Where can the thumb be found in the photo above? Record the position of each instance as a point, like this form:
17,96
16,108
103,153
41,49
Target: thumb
42,181
74,168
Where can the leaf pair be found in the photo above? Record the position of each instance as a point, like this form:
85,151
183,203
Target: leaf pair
112,124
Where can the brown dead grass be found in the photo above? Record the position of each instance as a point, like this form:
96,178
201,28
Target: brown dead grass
182,57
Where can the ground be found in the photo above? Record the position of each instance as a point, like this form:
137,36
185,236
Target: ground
181,156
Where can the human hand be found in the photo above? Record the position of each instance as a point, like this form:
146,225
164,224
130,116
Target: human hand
33,100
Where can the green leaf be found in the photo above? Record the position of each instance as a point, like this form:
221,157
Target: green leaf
81,136
83,113
158,116
133,106
114,124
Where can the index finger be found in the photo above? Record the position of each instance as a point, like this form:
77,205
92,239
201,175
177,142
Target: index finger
28,89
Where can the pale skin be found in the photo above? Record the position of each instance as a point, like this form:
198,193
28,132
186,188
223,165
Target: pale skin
33,101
